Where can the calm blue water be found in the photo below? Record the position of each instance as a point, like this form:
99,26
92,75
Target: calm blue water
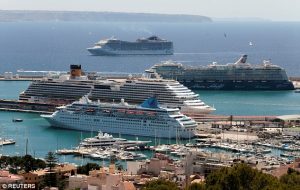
56,45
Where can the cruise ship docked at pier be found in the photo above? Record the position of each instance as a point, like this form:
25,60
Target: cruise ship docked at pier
143,46
234,76
147,119
134,90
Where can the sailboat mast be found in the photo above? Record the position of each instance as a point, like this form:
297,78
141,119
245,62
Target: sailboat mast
26,148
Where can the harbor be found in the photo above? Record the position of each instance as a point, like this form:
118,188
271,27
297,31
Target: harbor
110,96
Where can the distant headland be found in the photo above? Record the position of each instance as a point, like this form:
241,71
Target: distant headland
34,15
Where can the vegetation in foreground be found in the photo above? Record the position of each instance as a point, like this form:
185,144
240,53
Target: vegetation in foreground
18,163
239,177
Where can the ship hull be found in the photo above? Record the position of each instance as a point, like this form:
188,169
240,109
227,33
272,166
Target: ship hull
102,52
84,124
239,85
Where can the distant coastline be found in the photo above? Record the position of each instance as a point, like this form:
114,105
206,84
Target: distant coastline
34,15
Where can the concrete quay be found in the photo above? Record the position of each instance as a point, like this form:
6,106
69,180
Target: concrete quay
21,78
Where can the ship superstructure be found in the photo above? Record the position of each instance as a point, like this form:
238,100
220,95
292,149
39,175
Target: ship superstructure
168,92
134,90
234,76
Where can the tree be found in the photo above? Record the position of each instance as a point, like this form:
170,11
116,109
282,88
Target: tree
49,180
291,180
51,160
86,168
241,176
26,163
160,184
196,186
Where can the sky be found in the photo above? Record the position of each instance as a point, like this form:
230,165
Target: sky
276,10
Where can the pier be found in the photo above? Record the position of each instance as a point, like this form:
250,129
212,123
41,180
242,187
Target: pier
212,118
21,78
28,107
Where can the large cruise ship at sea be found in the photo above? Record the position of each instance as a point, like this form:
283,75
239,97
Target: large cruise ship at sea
147,119
233,76
142,46
67,89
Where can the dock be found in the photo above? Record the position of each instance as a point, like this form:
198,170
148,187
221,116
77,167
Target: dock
212,118
27,107
21,78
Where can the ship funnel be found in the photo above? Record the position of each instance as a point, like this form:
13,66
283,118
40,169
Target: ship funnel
243,59
150,103
75,71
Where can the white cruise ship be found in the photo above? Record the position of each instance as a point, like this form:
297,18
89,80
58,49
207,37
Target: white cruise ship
67,89
143,46
147,119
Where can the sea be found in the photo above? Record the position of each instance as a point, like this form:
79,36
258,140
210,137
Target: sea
53,46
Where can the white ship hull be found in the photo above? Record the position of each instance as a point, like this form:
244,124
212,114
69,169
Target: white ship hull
101,51
115,126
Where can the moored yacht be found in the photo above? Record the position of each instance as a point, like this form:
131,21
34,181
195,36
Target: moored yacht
107,140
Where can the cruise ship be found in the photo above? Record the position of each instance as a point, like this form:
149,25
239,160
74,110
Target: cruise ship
147,119
142,46
233,76
67,89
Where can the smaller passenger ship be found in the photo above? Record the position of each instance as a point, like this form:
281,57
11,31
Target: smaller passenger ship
147,119
107,140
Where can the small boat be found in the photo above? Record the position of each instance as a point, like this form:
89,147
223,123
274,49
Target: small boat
286,155
297,91
7,141
266,151
17,120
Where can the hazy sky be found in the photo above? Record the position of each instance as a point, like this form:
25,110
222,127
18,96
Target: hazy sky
287,10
